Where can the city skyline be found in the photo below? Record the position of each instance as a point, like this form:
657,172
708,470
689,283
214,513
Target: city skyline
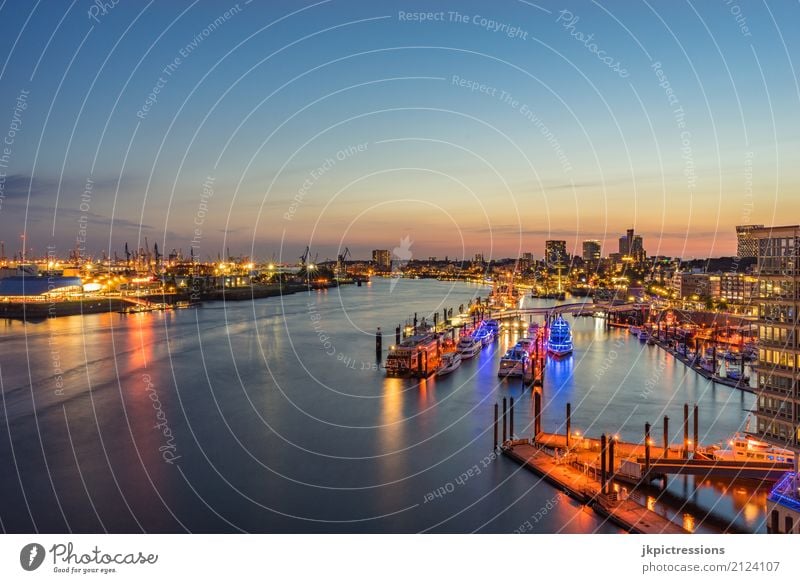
494,143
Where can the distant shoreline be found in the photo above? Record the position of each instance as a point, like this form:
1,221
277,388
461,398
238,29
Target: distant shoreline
39,311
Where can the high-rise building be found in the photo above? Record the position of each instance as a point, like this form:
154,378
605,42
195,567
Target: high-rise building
746,243
624,247
591,251
778,299
555,253
382,258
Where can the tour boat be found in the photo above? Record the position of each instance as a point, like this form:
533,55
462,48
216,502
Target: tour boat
514,362
468,347
450,362
417,355
559,342
747,448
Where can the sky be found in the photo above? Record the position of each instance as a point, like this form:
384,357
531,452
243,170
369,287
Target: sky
463,127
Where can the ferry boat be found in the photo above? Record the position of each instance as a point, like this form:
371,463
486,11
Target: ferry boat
559,342
468,346
417,355
747,448
450,362
514,362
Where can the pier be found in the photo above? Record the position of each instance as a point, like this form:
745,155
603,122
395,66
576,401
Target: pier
609,474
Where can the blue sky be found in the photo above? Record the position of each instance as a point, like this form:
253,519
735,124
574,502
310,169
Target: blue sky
339,123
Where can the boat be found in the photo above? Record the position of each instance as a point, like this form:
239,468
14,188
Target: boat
635,330
747,448
483,335
450,362
644,335
651,341
494,327
735,374
514,362
468,346
417,355
527,344
559,342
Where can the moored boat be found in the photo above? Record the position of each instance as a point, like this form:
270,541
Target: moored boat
514,362
559,342
468,346
450,362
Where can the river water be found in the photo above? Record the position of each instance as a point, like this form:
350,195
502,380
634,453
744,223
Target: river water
271,416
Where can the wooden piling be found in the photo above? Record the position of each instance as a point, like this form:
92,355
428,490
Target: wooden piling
505,414
495,425
646,448
603,453
666,437
686,431
696,428
569,422
511,420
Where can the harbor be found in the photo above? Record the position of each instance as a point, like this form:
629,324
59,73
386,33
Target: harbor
614,382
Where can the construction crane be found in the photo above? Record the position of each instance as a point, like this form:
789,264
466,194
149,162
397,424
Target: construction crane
341,267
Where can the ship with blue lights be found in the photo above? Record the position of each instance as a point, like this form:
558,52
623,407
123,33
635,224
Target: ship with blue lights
559,341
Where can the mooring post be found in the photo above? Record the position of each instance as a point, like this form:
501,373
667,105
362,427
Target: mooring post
696,428
646,449
511,420
666,437
603,463
505,414
378,344
537,412
686,431
569,421
612,441
496,407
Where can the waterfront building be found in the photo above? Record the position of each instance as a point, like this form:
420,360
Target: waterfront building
555,253
746,242
737,288
382,258
778,299
687,285
591,251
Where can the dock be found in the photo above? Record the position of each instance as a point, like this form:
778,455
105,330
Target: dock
584,488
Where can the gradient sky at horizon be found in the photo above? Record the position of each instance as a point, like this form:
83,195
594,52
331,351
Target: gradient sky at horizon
359,114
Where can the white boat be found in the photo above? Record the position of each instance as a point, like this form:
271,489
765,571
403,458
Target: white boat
450,362
514,362
643,336
468,347
747,448
635,330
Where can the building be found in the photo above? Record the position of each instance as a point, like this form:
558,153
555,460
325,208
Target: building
555,253
737,288
382,258
778,299
695,286
591,251
526,261
746,243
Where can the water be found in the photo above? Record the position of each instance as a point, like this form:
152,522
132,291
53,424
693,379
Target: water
271,416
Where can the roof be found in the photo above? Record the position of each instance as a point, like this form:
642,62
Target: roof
35,286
